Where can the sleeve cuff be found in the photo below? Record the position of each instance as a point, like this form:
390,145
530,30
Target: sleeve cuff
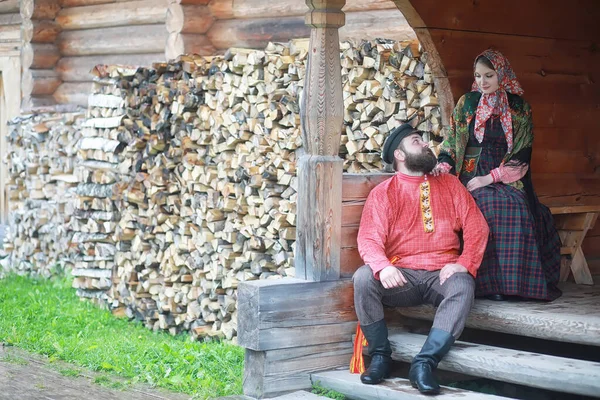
471,268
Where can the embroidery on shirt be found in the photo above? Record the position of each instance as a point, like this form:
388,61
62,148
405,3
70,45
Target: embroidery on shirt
426,207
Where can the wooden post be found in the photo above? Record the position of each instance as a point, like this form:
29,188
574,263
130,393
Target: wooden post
320,169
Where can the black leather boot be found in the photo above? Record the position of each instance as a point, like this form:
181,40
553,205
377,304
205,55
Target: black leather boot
436,346
380,351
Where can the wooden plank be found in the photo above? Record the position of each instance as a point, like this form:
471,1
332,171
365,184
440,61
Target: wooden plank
572,318
350,262
358,186
376,24
507,365
141,12
352,212
349,236
526,54
574,209
577,21
273,372
344,382
292,312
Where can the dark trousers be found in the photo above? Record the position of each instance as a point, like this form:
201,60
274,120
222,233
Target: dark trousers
453,299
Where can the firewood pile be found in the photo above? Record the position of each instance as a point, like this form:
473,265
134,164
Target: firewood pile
41,181
187,177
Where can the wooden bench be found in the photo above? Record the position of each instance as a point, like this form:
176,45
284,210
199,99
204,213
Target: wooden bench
572,222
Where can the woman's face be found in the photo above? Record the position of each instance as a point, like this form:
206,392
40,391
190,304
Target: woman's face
486,78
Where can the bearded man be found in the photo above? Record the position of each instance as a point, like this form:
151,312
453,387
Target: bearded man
410,240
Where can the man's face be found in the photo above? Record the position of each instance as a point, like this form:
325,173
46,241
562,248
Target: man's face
418,155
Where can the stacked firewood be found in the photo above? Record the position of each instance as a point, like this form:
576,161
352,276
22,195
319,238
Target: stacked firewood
189,172
386,83
40,185
96,214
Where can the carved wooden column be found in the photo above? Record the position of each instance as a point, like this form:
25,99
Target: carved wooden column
320,169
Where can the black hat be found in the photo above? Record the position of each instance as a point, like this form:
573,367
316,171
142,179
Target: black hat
393,141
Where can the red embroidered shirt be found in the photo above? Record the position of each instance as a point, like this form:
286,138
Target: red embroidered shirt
396,225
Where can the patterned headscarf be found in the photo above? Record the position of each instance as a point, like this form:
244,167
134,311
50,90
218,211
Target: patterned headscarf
507,82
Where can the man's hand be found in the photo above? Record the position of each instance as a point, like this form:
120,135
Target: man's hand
391,277
479,182
449,270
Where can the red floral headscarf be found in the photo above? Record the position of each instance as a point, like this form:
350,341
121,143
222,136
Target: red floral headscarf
497,101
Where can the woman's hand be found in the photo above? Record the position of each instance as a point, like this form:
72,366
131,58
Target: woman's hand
441,168
479,182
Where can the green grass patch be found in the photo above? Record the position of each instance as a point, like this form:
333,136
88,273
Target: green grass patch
69,372
9,358
46,317
323,391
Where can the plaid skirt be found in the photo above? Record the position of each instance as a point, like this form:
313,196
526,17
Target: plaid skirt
522,257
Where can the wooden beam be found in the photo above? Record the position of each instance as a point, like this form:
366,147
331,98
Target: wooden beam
320,169
273,313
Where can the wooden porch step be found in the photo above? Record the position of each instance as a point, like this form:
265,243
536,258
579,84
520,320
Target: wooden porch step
396,388
573,318
507,365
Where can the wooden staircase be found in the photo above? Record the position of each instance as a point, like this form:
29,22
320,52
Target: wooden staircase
571,322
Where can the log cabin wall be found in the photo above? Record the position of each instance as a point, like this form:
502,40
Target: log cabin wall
106,32
554,51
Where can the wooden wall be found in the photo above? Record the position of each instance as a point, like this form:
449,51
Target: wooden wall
554,50
94,32
203,25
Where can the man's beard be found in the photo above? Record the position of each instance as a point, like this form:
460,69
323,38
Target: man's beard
423,163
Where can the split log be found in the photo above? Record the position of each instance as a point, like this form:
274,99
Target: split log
141,39
188,19
78,69
141,12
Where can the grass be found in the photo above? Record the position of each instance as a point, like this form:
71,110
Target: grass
46,317
323,391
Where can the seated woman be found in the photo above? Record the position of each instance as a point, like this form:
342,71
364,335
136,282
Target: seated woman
489,148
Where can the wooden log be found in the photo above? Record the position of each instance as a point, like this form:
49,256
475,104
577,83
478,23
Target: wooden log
11,19
368,25
45,81
10,33
9,6
187,43
256,33
141,12
45,9
140,39
77,69
249,9
44,31
73,93
188,19
81,3
194,2
45,55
